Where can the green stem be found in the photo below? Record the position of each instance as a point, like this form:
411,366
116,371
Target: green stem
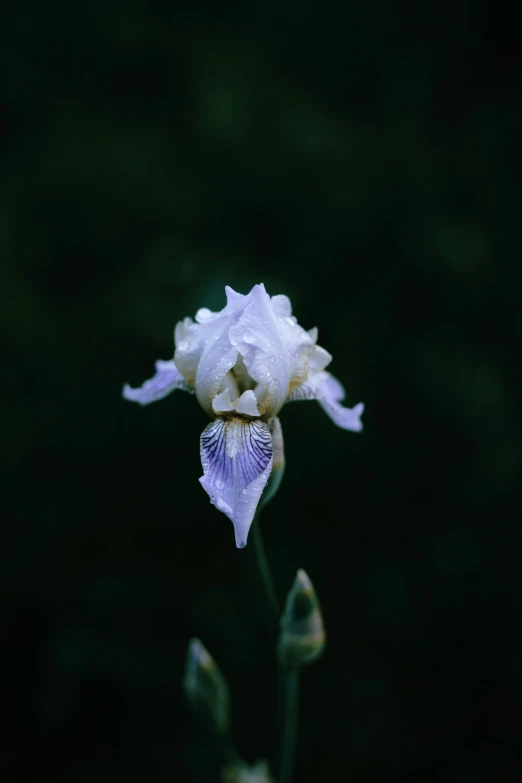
228,749
288,716
265,575
223,749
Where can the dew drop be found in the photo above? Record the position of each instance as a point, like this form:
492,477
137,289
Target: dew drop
272,358
219,484
248,337
183,346
290,321
203,314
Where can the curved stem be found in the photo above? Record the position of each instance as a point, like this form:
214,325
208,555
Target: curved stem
263,568
288,715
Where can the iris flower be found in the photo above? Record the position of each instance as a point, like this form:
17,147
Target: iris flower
244,363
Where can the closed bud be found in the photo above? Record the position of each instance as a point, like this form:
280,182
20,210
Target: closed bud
302,637
205,688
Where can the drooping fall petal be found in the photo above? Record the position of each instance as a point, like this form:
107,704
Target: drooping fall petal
166,379
323,387
237,459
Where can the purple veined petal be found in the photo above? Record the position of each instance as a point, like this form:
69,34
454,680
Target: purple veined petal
166,379
326,389
237,460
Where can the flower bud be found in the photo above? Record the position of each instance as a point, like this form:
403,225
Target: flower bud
302,637
242,773
205,688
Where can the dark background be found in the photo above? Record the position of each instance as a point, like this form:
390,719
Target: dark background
364,160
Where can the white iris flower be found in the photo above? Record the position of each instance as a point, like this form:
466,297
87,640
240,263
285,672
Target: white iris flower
244,363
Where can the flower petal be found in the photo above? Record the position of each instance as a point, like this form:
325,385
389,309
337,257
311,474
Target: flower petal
247,404
282,305
241,375
166,380
237,459
274,347
313,333
217,357
319,359
204,353
188,349
222,402
323,387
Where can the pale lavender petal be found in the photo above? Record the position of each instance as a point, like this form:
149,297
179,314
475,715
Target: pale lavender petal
166,380
313,334
237,459
323,387
247,404
281,305
217,358
222,402
275,349
204,353
319,359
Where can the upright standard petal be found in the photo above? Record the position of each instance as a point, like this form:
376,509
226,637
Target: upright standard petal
204,353
323,387
237,459
166,380
274,348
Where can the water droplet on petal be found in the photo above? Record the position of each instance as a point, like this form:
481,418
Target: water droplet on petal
219,484
272,358
289,321
248,337
203,314
183,346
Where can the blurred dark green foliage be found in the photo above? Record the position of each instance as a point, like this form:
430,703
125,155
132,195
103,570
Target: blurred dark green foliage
363,159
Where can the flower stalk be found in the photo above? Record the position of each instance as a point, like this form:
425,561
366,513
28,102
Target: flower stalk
301,641
288,722
264,573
